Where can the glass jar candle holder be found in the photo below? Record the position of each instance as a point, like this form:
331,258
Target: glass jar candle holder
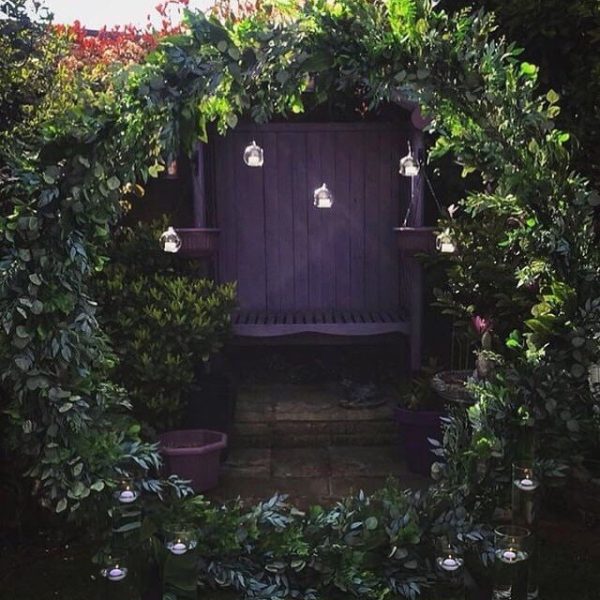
512,552
126,492
114,569
449,564
179,542
525,482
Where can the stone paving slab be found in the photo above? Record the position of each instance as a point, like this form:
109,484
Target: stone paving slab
310,475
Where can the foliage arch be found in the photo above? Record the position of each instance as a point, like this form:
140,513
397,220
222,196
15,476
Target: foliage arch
537,277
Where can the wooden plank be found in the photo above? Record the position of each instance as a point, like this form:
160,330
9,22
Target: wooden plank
250,226
225,208
272,233
284,182
302,201
199,187
372,204
357,224
328,328
387,263
327,217
342,226
315,241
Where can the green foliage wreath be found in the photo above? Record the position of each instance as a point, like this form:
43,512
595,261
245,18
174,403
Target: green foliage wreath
527,257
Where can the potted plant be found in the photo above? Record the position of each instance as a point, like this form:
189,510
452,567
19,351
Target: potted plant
418,418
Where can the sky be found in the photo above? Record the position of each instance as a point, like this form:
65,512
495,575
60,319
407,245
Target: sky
94,14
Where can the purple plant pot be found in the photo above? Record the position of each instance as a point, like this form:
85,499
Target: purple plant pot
194,454
415,427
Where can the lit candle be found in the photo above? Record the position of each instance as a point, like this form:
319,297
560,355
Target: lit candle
116,573
127,496
509,555
254,160
528,483
450,564
171,247
178,547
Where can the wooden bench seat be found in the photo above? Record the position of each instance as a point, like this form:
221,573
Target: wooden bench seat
327,322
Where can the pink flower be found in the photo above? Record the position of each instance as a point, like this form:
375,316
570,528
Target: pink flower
481,324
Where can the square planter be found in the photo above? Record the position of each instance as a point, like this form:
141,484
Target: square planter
412,240
199,242
194,454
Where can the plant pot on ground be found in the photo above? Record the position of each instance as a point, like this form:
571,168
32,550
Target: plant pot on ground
418,418
195,455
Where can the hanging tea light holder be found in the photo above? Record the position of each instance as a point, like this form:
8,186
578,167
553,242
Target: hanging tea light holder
322,197
170,241
180,542
409,164
114,569
172,169
254,155
444,242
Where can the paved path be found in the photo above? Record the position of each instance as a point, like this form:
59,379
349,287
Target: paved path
297,440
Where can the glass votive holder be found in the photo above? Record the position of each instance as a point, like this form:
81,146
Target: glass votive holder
126,492
512,551
179,542
449,557
525,482
524,476
114,569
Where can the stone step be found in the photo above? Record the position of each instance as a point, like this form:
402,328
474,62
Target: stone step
288,416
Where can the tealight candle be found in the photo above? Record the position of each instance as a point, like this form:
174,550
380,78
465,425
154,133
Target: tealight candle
178,548
127,496
254,160
170,247
450,564
509,555
116,573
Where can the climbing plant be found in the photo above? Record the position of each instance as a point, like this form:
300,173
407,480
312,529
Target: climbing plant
534,218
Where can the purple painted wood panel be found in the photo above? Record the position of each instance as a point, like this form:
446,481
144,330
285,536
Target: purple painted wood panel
372,193
272,231
250,229
288,255
316,243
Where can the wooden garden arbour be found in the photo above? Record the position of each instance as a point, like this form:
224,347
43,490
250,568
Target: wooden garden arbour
338,274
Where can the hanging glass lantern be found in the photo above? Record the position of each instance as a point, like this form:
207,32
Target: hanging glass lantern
445,243
172,170
254,155
170,241
409,165
323,198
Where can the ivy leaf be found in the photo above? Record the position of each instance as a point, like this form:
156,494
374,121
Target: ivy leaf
61,505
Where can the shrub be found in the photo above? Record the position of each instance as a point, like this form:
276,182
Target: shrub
162,320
